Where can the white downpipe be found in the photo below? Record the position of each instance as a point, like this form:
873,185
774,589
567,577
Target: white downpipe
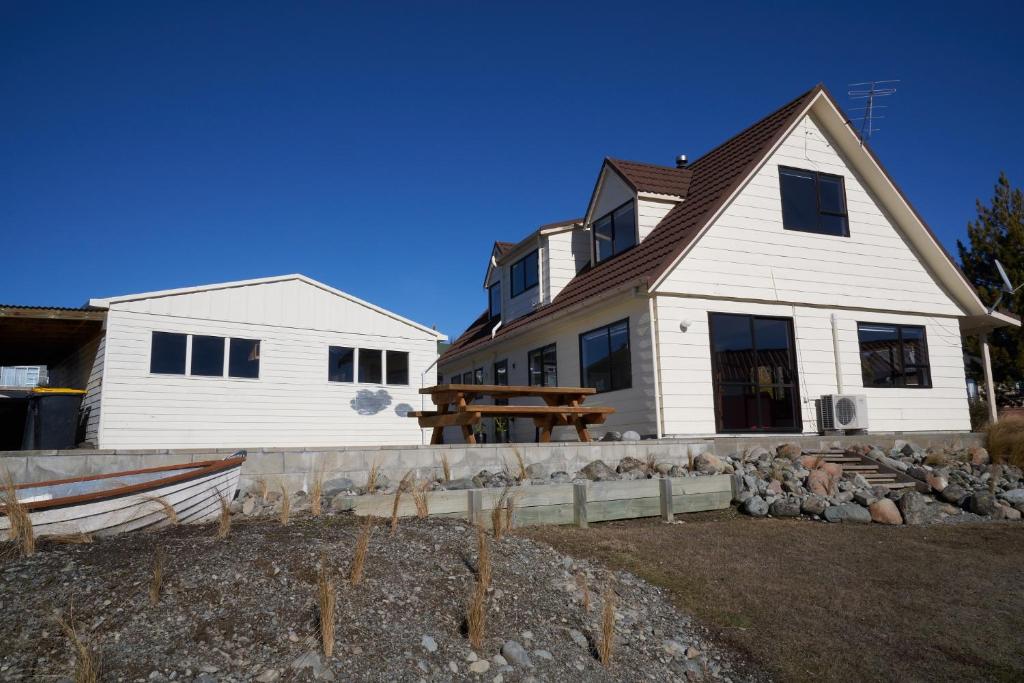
835,351
656,361
494,330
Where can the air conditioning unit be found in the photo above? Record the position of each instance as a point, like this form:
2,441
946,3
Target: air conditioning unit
842,412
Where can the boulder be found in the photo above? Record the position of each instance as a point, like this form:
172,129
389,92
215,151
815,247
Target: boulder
663,468
864,497
612,436
843,497
709,463
515,654
819,482
814,505
560,477
848,512
537,471
630,464
630,435
676,471
953,493
978,455
1013,497
757,453
775,487
756,507
598,471
790,451
918,472
482,479
333,487
938,480
460,484
884,511
912,507
785,507
1006,512
981,503
810,462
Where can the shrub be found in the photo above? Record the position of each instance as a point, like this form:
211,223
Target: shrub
1005,441
979,414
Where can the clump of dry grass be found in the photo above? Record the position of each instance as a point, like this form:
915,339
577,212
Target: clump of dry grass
1005,441
581,581
497,515
483,563
326,600
520,463
446,468
316,493
168,509
21,531
264,489
286,506
419,499
371,478
159,560
651,465
476,616
87,665
689,462
402,486
510,511
362,545
607,642
69,539
224,522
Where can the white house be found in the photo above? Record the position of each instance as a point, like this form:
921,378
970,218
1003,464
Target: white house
729,295
279,361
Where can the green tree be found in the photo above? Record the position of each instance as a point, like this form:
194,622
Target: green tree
998,233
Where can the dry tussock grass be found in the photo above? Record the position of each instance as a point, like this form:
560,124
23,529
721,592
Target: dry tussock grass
326,600
362,546
419,499
286,506
483,563
476,614
168,509
402,486
1005,441
607,643
371,478
316,493
263,488
87,664
520,464
224,521
157,580
21,531
446,468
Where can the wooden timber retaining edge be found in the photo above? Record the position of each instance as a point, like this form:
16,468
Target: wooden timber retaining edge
577,503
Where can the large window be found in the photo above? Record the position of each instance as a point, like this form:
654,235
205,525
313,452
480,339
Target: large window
615,232
501,373
244,358
894,356
167,353
813,202
370,366
494,300
467,377
524,274
398,367
341,364
604,358
207,356
543,365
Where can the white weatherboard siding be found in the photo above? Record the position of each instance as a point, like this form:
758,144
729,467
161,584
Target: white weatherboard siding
634,406
613,193
565,254
687,393
291,403
747,254
649,213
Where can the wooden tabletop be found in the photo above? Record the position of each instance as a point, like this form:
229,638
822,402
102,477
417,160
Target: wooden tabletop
513,390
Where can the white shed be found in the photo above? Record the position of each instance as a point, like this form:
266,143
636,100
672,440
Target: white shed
278,361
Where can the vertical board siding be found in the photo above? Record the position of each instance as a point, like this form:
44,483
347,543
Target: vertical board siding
688,401
748,254
291,403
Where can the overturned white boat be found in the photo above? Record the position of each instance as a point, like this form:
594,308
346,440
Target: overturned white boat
106,504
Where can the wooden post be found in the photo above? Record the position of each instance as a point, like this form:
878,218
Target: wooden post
579,504
990,385
665,491
476,506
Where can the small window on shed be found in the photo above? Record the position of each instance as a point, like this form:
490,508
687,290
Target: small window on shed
398,367
370,366
207,356
167,354
244,358
341,364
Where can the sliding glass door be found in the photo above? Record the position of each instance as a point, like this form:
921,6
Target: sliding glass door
753,361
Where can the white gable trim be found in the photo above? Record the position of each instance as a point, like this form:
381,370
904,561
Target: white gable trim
588,216
108,301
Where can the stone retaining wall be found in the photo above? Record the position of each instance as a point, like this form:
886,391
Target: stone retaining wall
296,467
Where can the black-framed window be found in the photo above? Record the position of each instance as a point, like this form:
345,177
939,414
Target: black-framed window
524,274
207,356
615,232
543,365
604,358
813,202
244,358
494,300
397,367
501,373
455,379
478,376
341,364
894,356
467,377
167,353
370,366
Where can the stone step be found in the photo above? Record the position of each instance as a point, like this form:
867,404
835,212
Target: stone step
899,485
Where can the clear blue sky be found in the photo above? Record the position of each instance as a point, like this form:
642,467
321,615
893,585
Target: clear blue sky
382,147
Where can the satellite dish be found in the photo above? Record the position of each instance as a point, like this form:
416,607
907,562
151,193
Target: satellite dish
1008,287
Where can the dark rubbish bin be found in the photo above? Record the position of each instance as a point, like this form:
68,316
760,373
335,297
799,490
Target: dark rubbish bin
52,419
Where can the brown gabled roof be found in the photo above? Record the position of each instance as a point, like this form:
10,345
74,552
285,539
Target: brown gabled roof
712,179
652,177
503,247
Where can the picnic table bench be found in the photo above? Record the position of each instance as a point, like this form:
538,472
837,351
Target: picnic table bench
456,407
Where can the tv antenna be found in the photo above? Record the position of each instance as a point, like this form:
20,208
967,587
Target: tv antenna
869,91
1007,289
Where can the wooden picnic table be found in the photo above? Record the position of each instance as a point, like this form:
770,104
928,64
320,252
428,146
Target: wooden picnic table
456,407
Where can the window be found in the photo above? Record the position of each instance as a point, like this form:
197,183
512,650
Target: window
341,364
615,232
894,356
813,202
543,367
207,356
244,358
478,376
494,300
467,378
398,367
167,353
604,358
501,373
524,274
370,366
455,379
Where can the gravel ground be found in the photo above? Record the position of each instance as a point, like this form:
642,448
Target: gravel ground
244,608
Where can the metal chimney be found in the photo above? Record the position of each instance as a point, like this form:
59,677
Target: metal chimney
681,161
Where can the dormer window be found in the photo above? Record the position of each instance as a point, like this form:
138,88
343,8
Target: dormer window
524,274
615,232
494,300
813,202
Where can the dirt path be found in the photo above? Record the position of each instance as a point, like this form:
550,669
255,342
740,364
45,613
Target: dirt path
812,601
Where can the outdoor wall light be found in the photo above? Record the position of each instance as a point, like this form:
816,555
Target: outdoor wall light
685,325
